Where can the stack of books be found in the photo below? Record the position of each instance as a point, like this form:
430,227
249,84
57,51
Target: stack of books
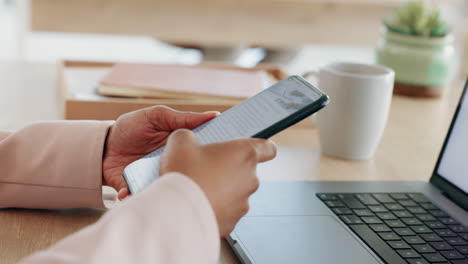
104,91
182,82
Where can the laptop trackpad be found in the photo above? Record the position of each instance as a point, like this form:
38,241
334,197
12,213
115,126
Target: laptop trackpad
299,239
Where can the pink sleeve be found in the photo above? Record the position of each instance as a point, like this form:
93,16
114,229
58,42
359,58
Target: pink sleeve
170,222
53,165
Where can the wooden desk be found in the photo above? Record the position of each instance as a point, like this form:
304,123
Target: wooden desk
408,151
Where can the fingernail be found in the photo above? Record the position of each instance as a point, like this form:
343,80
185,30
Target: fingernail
213,112
123,193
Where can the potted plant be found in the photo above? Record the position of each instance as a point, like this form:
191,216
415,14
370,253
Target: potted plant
419,46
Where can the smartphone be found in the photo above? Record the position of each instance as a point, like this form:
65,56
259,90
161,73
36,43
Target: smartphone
261,116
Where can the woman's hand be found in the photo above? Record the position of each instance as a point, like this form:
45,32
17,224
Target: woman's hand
138,133
226,172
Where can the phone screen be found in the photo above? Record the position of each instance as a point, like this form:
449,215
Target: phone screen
261,116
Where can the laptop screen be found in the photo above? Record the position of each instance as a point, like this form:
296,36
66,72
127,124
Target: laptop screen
453,164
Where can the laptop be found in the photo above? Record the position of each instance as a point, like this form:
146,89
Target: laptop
364,222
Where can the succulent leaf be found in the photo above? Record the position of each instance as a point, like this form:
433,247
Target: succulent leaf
417,17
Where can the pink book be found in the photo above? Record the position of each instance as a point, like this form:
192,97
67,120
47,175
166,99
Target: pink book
181,82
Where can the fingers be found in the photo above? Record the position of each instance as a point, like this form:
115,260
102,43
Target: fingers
260,150
165,118
265,149
123,193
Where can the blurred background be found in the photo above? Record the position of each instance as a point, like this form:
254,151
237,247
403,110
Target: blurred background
183,31
298,35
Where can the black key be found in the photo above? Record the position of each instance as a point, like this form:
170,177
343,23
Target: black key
363,212
448,221
327,196
419,198
334,204
351,219
354,204
412,240
434,257
402,214
404,231
389,236
421,229
462,249
380,228
378,208
394,206
407,203
441,246
383,198
342,210
428,206
464,236
371,220
445,233
367,199
411,221
438,213
460,261
351,201
395,223
456,241
399,244
452,254
417,261
398,196
344,196
408,253
416,210
458,228
424,248
425,217
431,237
378,245
435,225
387,216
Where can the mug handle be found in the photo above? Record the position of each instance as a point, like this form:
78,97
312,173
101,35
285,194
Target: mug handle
311,76
314,76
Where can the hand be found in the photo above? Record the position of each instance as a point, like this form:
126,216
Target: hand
226,172
138,133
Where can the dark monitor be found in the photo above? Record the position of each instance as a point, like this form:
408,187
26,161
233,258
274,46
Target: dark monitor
451,171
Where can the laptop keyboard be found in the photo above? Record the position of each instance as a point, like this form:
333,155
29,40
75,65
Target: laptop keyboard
402,227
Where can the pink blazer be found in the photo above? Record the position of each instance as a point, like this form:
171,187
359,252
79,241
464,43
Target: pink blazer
58,165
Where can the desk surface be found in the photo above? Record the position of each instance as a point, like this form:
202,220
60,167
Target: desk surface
408,151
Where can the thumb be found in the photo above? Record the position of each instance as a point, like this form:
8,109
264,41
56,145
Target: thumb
193,120
180,142
169,119
263,149
181,138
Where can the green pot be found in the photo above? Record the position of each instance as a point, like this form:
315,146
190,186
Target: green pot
418,61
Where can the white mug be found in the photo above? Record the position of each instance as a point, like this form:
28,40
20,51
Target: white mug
351,126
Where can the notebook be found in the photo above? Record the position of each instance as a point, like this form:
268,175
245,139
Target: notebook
181,82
